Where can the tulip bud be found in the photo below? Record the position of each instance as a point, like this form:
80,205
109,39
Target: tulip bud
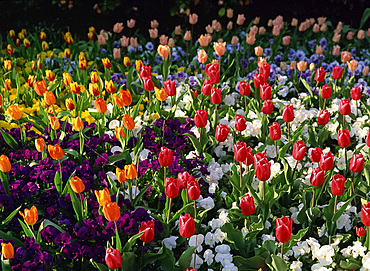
337,185
171,188
365,214
111,211
170,87
240,151
77,124
317,176
103,196
262,167
148,229
222,131
56,152
200,118
265,92
165,157
284,229
7,250
315,155
356,164
54,122
100,105
275,131
244,88
326,92
160,93
5,165
113,258
184,178
128,122
14,112
76,184
320,74
360,231
186,226
30,216
299,150
39,144
355,93
327,161
337,72
216,97
288,113
345,106
323,118
267,107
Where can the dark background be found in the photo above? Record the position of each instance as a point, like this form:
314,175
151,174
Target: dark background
18,14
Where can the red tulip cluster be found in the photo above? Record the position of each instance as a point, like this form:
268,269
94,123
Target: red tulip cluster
146,76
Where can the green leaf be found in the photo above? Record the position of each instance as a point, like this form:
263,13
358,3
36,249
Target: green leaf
185,258
221,12
17,242
9,139
44,224
236,237
5,264
295,239
350,264
26,228
10,217
307,86
4,181
123,155
196,143
365,17
250,264
179,212
58,183
131,242
76,204
99,266
277,264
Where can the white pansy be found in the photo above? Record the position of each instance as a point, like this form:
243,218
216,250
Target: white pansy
230,267
220,236
219,152
358,250
319,267
116,149
245,231
224,259
170,242
212,188
296,266
240,112
144,154
200,239
324,255
344,221
113,124
198,261
226,167
283,91
112,175
208,256
270,151
134,192
229,100
209,239
207,203
267,224
216,223
223,249
266,237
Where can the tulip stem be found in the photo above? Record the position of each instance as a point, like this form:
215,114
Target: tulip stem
356,108
20,130
295,168
329,240
335,85
276,151
263,191
240,175
165,174
169,210
344,125
288,131
195,250
324,104
352,185
282,250
335,204
245,103
60,167
150,97
200,134
345,157
313,198
368,232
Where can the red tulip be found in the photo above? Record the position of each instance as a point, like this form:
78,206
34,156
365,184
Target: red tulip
184,178
171,187
288,113
145,71
206,87
275,131
316,155
264,70
187,226
262,167
200,118
320,74
213,72
326,92
317,177
323,118
360,231
240,151
337,72
222,131
258,80
265,92
193,190
327,161
355,93
365,214
299,150
267,107
357,163
250,158
368,139
345,106
148,227
170,87
113,258
344,139
244,88
337,185
165,157
148,84
284,229
247,205
216,97
240,123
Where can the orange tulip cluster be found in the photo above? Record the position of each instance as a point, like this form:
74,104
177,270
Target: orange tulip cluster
111,209
129,172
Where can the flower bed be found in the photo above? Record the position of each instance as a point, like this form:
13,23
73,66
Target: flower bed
248,154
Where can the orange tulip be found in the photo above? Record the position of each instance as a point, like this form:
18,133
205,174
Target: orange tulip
110,87
345,56
120,132
131,172
40,144
106,63
219,48
40,87
163,51
352,65
8,84
258,51
121,175
49,98
7,250
160,94
69,104
94,89
77,124
5,165
138,65
100,105
103,196
202,56
30,216
118,101
75,88
56,152
76,184
14,112
54,122
128,122
126,96
302,66
111,211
